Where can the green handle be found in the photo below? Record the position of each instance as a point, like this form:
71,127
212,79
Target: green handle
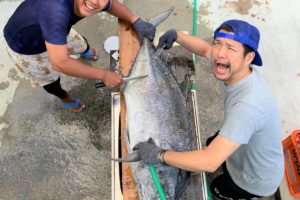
157,183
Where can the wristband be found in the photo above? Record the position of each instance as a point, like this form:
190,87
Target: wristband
160,156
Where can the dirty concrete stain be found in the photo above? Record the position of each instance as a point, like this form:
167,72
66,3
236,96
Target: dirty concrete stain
298,74
13,74
253,8
242,6
4,85
204,9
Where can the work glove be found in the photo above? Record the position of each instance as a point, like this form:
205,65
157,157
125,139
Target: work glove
144,29
167,39
148,152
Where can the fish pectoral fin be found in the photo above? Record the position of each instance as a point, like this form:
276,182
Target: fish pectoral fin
131,157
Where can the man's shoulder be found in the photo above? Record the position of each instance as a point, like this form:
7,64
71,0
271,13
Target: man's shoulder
256,89
261,92
254,94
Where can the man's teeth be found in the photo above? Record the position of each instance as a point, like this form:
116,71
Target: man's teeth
89,6
222,65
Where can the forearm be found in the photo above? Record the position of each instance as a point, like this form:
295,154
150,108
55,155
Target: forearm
121,11
78,69
195,161
208,159
193,44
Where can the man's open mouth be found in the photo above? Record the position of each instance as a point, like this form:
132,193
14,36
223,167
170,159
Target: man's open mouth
222,65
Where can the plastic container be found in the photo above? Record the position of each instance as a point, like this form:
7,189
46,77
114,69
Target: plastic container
291,149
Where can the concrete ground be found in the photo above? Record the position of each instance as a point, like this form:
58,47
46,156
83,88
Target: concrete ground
26,112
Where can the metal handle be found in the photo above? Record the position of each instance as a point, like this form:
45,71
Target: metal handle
100,85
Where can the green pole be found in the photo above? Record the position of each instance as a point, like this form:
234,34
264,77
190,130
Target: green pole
194,33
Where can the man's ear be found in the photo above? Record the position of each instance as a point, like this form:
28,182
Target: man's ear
249,57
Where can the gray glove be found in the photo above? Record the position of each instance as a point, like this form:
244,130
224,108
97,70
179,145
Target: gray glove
167,39
148,151
144,29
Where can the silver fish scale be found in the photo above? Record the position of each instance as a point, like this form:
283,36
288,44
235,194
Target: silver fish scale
156,108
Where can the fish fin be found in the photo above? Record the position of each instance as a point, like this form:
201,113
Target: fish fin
155,21
131,157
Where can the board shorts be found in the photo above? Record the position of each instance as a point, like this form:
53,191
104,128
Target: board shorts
37,68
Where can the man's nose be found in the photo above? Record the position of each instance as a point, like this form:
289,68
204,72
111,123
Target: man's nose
222,51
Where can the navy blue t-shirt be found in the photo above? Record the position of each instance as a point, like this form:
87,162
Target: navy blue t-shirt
37,21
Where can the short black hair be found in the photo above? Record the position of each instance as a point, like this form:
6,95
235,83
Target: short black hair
228,28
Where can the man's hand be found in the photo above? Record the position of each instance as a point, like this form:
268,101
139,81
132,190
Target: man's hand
144,29
148,151
167,39
112,79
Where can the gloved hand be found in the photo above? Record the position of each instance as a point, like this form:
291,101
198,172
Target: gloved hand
148,151
167,39
144,29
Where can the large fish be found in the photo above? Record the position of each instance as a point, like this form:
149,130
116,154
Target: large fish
156,108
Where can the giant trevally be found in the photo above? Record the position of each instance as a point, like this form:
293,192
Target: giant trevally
156,108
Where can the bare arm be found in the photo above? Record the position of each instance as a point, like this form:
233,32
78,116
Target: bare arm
194,44
208,159
62,62
121,11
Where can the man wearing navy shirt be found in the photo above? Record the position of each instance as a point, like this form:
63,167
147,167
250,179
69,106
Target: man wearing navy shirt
40,39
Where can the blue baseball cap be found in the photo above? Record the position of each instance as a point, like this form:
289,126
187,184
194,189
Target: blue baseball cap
244,33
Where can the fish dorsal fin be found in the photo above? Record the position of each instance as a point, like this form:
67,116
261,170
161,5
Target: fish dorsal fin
155,21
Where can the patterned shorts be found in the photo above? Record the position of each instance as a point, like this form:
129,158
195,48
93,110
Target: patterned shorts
37,68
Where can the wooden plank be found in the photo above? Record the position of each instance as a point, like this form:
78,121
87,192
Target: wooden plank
128,48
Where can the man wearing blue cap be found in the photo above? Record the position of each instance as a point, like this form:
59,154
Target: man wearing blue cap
248,146
40,39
